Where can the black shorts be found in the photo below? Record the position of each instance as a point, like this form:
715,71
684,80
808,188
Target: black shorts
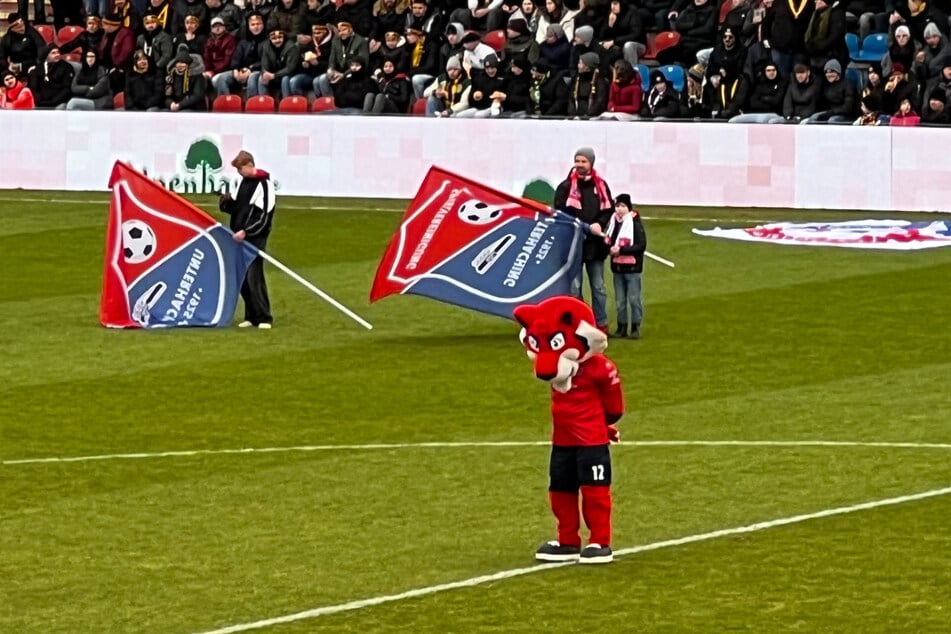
573,467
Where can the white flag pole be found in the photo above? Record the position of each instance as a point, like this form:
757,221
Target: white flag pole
657,258
600,232
313,289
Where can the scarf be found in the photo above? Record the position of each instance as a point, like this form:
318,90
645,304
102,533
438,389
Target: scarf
418,51
574,196
624,237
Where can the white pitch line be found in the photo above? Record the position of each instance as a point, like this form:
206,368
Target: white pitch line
77,201
452,445
517,572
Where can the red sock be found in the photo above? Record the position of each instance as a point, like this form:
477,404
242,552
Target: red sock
565,507
596,507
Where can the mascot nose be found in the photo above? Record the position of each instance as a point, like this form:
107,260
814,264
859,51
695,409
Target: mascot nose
546,376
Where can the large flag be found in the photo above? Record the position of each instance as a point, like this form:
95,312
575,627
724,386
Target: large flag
167,262
898,235
466,244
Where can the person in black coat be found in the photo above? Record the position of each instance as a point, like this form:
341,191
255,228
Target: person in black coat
548,92
395,91
144,86
351,91
252,215
588,93
662,101
51,81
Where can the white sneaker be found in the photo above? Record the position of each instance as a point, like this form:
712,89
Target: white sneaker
264,326
245,324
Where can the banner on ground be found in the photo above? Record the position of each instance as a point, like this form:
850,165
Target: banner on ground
167,263
898,235
466,244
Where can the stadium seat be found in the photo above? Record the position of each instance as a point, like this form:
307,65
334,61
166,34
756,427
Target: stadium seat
74,56
874,48
665,40
323,104
852,41
645,73
227,103
649,54
293,104
260,104
118,101
495,39
418,107
68,33
47,31
675,75
856,76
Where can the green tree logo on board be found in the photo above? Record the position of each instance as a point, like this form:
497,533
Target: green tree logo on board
203,157
202,172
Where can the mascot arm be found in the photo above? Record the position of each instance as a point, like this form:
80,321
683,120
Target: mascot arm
613,434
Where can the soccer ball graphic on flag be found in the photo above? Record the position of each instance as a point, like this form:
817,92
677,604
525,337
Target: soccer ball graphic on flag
138,241
476,212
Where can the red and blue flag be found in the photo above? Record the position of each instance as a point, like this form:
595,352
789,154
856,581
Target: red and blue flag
466,244
167,263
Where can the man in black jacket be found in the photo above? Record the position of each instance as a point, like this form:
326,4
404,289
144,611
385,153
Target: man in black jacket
587,197
252,211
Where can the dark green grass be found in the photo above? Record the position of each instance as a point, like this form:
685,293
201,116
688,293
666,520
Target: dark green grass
742,342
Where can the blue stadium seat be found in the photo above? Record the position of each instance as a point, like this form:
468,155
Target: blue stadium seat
645,73
852,41
874,48
856,76
675,75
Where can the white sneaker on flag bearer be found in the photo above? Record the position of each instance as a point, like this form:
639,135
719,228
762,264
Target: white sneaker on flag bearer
167,263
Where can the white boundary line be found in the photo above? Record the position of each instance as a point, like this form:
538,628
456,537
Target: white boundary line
517,572
454,445
400,210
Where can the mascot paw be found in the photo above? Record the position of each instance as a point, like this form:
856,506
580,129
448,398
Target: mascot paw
613,434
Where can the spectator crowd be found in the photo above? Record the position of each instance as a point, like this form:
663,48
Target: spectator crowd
752,61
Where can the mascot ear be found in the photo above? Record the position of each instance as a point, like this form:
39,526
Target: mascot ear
525,314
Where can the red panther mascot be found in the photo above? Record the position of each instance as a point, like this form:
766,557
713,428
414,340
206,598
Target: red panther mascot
586,400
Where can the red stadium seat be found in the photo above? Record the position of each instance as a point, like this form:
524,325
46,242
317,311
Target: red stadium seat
656,42
665,40
48,33
68,33
260,104
294,104
118,101
495,39
227,103
323,104
74,56
418,108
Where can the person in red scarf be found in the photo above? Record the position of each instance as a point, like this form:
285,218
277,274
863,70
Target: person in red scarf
13,94
587,197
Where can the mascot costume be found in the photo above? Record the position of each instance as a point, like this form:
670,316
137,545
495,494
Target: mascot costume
562,340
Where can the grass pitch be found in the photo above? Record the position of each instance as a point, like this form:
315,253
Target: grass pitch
742,342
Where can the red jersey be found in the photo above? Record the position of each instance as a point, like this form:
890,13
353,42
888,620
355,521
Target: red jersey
581,415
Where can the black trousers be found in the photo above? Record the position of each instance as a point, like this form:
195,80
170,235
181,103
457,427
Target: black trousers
257,306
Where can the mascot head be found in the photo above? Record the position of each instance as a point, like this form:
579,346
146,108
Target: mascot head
559,335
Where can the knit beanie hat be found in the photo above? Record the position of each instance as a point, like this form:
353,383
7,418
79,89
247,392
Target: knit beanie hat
931,29
453,62
833,64
591,60
624,199
586,152
585,34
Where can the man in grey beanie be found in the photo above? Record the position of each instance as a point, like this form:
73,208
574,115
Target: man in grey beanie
587,197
